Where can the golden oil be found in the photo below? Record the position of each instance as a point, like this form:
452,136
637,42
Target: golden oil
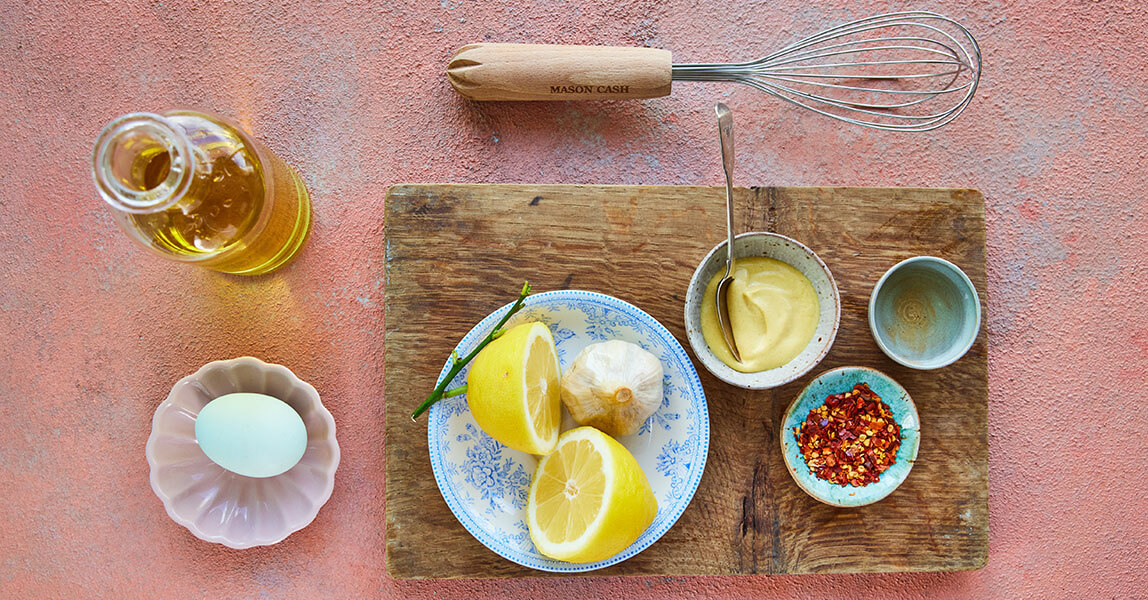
193,187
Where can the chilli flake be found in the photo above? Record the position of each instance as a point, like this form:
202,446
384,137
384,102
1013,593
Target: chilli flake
850,439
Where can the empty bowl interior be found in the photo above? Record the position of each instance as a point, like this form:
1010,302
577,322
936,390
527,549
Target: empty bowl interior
926,314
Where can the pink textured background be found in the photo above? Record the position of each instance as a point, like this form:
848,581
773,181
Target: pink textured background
94,331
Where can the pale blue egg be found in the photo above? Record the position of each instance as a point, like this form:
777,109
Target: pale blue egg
251,434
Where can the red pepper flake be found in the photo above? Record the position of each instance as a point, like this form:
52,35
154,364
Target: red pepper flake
850,439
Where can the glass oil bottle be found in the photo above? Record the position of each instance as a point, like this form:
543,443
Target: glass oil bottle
192,187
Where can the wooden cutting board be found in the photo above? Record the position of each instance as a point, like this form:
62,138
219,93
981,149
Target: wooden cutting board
454,253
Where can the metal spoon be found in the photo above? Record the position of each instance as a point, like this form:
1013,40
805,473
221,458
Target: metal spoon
725,132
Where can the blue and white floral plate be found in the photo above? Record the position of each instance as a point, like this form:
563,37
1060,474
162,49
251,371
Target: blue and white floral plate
486,484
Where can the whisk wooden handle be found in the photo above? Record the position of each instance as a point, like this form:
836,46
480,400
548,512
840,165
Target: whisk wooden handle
543,72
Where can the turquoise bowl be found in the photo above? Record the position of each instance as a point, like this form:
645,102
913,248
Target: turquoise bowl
836,381
924,313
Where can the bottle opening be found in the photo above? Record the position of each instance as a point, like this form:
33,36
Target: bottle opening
142,163
146,170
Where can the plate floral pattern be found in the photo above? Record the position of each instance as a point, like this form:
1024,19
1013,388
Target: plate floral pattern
485,484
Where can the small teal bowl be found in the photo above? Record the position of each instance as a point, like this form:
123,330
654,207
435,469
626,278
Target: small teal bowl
924,313
837,381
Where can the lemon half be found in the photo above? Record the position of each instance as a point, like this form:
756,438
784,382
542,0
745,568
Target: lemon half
589,499
513,389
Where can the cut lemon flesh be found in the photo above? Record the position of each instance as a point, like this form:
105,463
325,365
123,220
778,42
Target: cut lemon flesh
542,386
589,499
513,389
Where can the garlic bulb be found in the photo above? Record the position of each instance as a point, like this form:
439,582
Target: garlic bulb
613,386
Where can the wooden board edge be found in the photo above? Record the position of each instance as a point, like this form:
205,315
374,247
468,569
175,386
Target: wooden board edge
980,560
388,514
392,187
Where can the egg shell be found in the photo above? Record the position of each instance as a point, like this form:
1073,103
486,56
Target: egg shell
254,435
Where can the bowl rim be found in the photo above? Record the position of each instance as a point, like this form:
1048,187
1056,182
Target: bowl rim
789,467
324,414
872,309
739,379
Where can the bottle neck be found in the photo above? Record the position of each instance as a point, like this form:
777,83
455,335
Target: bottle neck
142,163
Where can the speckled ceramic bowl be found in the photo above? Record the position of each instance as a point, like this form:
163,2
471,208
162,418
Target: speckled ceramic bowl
837,381
924,313
787,250
224,507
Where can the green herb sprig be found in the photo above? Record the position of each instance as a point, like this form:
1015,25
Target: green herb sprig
457,364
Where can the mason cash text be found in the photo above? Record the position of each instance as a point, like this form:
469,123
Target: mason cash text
589,89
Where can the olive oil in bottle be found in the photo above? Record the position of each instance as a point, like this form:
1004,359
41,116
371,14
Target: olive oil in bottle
194,188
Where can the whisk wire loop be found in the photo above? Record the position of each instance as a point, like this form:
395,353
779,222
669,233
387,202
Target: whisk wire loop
873,72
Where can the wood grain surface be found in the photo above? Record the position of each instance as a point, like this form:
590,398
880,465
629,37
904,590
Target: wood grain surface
551,72
454,253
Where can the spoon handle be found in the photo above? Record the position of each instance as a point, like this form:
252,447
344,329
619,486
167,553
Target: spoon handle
725,132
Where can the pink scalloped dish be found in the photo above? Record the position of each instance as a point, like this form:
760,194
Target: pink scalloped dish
218,505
